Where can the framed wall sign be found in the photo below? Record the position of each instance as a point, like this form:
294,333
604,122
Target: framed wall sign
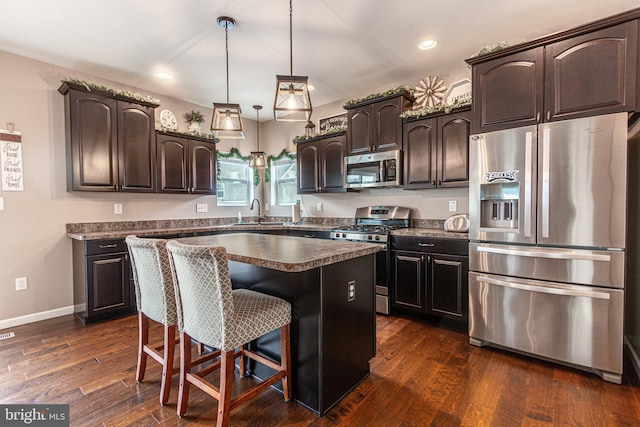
337,121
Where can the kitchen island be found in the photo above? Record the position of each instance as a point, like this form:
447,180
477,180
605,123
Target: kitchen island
331,287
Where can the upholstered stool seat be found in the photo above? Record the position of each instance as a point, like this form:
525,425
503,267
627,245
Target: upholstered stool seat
156,301
211,312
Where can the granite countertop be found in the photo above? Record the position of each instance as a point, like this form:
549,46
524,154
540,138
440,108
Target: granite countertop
430,232
284,253
151,232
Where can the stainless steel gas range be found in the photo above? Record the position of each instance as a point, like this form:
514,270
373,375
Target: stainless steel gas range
373,224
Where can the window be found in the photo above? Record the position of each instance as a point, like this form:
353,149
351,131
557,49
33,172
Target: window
284,184
234,182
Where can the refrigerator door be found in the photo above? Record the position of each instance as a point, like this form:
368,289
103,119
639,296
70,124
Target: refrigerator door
502,195
582,190
580,325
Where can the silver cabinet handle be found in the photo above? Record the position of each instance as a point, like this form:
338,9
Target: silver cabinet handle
108,246
426,245
544,289
565,254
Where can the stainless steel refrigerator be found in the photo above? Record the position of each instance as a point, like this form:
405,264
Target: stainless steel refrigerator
547,241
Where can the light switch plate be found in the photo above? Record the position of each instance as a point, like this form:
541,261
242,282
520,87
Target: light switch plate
117,208
202,207
453,205
1,203
319,207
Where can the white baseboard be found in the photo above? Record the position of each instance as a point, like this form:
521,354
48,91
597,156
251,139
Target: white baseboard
35,317
635,360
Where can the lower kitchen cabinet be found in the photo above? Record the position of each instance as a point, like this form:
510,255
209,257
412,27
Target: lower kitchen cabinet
430,277
102,280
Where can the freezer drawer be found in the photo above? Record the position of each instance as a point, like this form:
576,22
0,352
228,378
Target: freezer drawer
579,325
577,266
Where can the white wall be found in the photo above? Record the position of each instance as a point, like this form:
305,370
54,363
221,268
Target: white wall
32,224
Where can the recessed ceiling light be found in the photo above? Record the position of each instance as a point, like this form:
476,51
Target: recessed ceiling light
427,44
311,87
164,75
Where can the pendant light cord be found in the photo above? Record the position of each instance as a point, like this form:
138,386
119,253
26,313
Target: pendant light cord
291,38
226,42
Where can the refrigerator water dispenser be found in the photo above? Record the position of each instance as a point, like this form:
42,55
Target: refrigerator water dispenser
499,205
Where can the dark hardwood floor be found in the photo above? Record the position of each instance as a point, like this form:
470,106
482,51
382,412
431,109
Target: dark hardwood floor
422,375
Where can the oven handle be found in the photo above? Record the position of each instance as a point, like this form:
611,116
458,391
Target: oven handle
544,289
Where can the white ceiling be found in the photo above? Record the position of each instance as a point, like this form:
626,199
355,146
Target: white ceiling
348,48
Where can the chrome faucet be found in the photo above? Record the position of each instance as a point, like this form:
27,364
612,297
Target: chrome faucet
260,218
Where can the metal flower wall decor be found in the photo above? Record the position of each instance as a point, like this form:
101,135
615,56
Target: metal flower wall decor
430,91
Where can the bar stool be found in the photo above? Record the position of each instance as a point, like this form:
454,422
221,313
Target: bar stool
211,312
156,301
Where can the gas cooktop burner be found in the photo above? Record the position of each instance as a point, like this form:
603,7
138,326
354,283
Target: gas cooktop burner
369,228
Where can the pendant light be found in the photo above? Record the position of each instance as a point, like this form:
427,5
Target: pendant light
292,103
309,129
258,158
227,118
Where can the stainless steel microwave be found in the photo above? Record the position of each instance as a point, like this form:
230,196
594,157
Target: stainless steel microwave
381,169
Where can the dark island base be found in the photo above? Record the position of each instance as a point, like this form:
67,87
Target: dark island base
332,338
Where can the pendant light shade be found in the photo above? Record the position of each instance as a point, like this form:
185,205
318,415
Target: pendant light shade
227,118
309,129
292,103
258,158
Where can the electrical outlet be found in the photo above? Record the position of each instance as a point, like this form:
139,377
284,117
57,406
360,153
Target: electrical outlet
117,208
266,206
202,207
319,207
351,290
1,203
453,205
21,283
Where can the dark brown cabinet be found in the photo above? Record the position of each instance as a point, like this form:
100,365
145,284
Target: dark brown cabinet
110,142
185,165
321,164
430,277
583,72
436,151
376,125
102,281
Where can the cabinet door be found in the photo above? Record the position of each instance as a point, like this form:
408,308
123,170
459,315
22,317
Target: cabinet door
453,149
420,154
136,147
108,284
592,74
332,153
359,129
173,161
388,124
202,161
308,168
93,147
409,276
508,92
447,286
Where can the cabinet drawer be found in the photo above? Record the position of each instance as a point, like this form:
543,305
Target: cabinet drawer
104,246
431,245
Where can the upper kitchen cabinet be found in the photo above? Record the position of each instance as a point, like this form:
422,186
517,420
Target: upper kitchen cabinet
592,74
587,71
375,125
508,91
321,164
110,142
436,151
185,164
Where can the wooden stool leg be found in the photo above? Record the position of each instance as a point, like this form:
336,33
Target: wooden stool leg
285,359
167,368
143,340
185,368
242,363
226,381
200,348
